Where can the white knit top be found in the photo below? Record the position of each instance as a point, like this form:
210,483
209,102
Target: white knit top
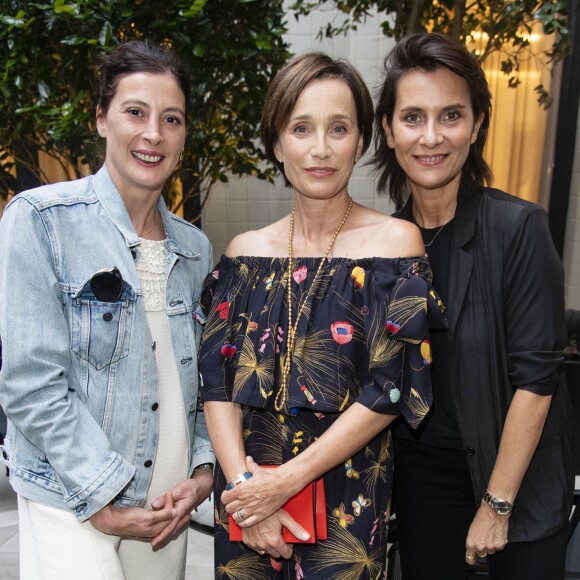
172,458
152,269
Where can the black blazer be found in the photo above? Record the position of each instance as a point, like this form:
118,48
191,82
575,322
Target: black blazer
507,331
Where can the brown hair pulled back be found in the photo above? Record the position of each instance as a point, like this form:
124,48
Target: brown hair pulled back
292,79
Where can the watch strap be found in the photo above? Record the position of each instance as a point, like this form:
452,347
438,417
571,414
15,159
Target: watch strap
204,466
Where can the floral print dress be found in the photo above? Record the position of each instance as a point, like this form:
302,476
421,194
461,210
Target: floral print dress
362,337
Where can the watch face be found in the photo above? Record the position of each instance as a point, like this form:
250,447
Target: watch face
502,507
499,506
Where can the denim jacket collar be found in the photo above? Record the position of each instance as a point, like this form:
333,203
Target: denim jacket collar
112,202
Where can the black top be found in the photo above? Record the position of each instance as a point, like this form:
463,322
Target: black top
505,305
439,428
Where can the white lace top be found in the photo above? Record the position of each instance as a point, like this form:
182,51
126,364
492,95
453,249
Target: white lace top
172,457
152,271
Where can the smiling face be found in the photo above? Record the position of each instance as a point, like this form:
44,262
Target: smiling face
432,129
321,141
145,132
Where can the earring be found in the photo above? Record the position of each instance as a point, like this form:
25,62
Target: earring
181,156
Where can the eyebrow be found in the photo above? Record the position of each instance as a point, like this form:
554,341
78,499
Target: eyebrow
146,105
446,108
338,117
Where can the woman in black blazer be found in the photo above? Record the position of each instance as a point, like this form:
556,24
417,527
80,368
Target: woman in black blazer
489,472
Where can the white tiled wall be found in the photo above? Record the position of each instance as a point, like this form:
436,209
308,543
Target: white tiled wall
572,242
248,203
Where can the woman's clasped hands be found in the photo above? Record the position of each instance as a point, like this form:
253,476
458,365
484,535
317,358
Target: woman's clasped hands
168,515
255,505
134,521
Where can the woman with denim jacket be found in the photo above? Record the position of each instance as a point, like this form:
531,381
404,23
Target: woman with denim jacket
107,445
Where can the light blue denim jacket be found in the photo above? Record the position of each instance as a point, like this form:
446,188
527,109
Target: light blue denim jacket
79,378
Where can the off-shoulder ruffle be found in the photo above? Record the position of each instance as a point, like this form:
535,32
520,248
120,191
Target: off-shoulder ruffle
415,307
363,338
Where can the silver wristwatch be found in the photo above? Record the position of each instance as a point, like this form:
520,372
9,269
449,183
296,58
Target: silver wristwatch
208,466
499,506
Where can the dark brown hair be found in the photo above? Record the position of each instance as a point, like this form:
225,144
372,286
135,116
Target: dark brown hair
292,79
139,56
428,52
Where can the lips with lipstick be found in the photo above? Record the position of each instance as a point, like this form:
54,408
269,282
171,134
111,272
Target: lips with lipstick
320,171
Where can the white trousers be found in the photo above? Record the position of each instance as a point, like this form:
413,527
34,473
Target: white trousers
54,545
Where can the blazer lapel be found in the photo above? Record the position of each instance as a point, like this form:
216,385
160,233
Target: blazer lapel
461,260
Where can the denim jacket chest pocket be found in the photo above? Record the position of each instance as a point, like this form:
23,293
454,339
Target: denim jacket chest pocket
101,331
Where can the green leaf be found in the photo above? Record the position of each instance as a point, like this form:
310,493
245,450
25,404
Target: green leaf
12,21
199,50
194,9
263,43
43,89
62,8
106,34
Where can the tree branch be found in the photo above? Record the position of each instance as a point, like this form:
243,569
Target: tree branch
413,17
458,16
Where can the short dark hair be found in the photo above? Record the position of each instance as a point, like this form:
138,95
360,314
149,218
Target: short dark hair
292,79
428,52
137,56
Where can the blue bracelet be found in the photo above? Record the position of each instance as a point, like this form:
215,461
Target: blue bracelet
238,479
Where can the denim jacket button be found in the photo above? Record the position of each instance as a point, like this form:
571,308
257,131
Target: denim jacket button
107,317
148,463
155,406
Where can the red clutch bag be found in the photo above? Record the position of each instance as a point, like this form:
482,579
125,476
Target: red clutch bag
307,507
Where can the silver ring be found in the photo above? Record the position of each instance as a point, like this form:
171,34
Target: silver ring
240,514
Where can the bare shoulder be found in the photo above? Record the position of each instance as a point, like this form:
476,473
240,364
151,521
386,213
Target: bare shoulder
241,244
384,236
263,242
400,237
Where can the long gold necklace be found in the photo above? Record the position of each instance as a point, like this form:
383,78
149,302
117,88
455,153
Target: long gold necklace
282,395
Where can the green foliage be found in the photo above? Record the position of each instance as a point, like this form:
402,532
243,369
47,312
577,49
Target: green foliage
505,25
48,87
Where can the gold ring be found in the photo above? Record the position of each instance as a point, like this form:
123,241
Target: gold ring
240,514
469,556
261,552
483,555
